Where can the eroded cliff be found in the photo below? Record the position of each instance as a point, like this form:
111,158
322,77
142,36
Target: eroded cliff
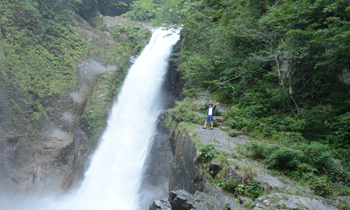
211,169
50,153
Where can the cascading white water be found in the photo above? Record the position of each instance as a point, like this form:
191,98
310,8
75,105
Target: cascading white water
114,176
115,173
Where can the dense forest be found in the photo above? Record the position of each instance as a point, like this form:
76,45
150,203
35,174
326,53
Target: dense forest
280,66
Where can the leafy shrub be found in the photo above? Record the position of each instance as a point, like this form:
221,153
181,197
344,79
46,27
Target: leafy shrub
337,172
314,118
341,131
254,189
287,136
206,153
259,150
316,154
319,157
285,158
181,112
321,186
143,10
215,123
230,185
227,206
301,160
232,133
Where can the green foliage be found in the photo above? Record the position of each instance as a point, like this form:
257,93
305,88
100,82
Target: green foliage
278,66
232,133
183,111
97,108
132,39
39,52
89,9
341,131
301,161
278,63
321,186
284,158
248,172
253,189
143,10
206,153
259,150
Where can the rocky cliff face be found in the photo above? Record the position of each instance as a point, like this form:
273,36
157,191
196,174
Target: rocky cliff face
228,179
184,172
188,186
51,153
45,160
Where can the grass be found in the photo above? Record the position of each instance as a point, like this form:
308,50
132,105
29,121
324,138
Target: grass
248,172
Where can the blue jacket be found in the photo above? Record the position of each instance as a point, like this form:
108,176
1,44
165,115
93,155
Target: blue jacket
209,107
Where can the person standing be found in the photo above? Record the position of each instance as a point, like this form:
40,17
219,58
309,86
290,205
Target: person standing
210,114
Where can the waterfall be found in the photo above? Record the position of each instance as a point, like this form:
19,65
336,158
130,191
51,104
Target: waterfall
114,176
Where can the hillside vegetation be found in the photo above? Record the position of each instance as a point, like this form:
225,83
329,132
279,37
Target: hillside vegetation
61,67
40,48
282,67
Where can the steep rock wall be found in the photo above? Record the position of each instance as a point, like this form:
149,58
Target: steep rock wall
51,153
44,160
184,173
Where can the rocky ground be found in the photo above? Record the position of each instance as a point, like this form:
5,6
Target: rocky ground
191,189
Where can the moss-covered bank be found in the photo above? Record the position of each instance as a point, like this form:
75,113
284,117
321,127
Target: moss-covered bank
58,78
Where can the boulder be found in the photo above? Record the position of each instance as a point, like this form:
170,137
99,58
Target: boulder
160,205
234,173
181,200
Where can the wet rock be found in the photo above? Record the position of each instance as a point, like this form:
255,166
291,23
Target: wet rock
181,200
184,173
160,205
155,181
